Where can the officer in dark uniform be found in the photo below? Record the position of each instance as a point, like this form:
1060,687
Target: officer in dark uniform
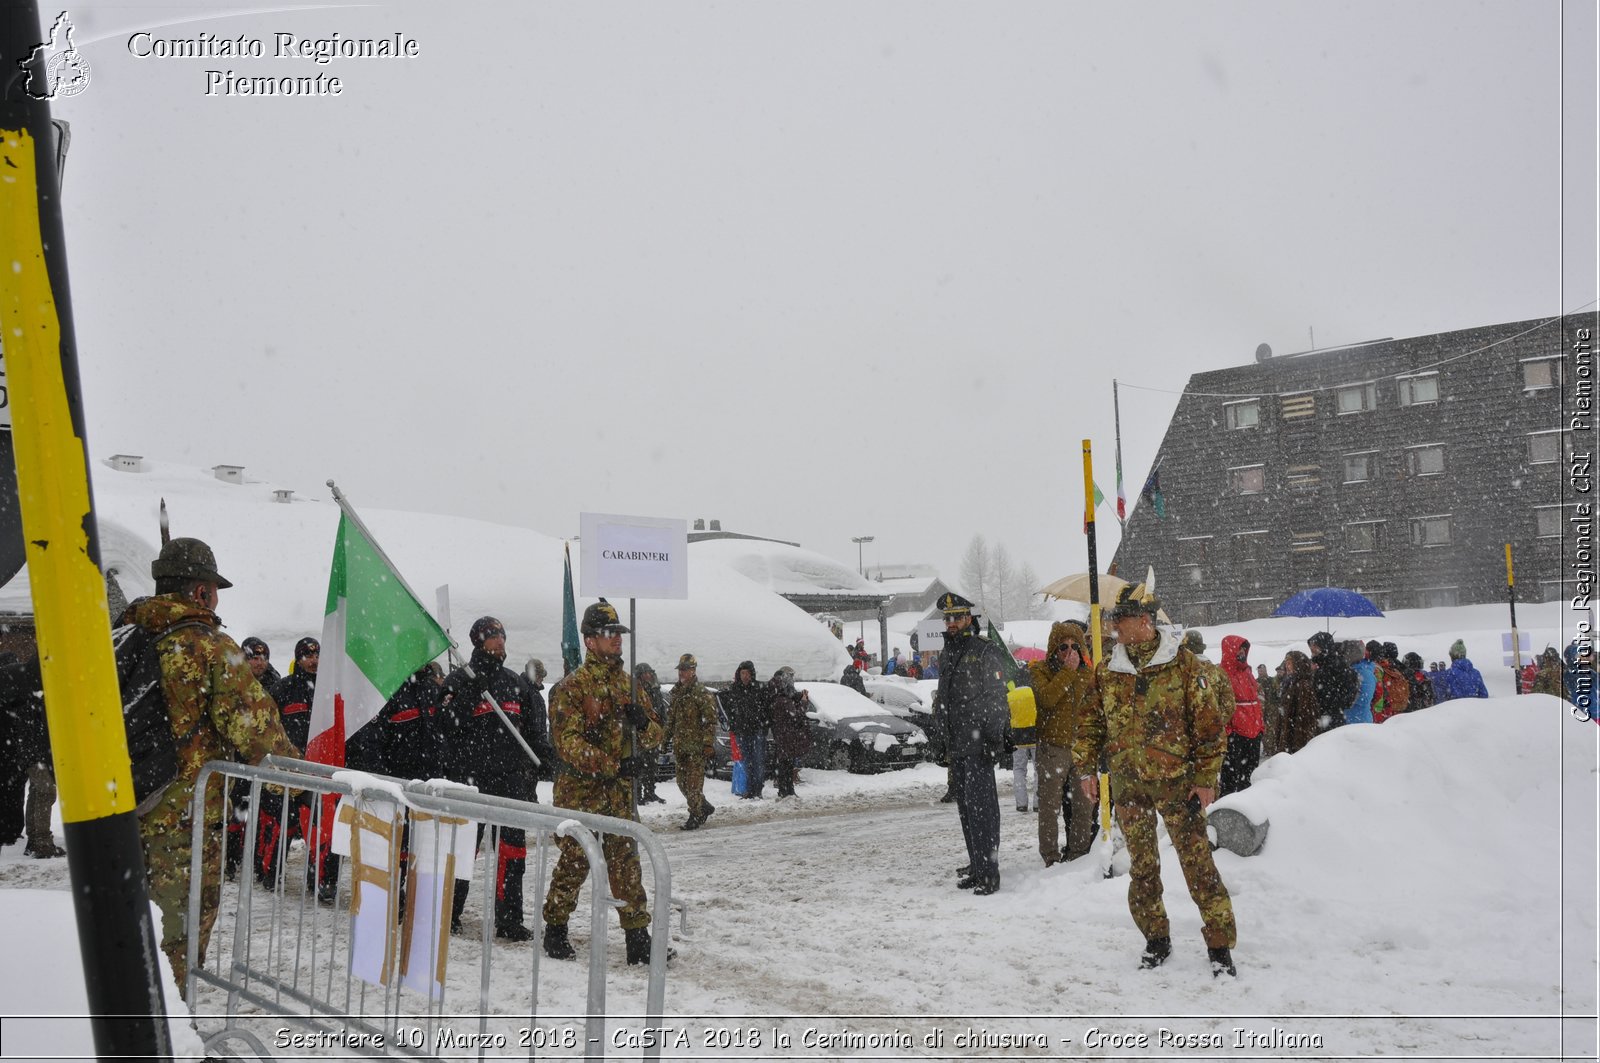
972,694
484,754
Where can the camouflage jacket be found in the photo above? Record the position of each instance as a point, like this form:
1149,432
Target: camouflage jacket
1162,723
1065,695
692,719
211,695
588,721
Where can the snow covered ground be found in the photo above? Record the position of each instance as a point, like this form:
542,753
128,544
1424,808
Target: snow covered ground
1427,891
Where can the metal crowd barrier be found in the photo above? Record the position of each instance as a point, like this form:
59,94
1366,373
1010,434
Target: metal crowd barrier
279,959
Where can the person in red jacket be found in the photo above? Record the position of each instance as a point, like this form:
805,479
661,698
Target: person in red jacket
1244,730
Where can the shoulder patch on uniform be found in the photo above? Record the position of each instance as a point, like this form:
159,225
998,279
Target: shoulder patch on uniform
1202,681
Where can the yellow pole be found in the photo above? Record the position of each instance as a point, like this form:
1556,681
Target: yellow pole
1094,628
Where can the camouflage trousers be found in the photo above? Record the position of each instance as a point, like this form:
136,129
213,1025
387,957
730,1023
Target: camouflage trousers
622,867
165,840
692,783
1137,808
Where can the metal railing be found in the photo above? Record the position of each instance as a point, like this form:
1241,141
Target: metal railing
300,960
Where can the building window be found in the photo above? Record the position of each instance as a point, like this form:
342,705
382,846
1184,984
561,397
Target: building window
1256,608
1193,551
1248,479
1557,590
1438,597
1243,414
1425,460
1357,398
1306,542
1297,407
1250,546
1199,614
1430,531
1549,519
1303,478
1360,468
1419,390
1364,537
1544,447
1541,373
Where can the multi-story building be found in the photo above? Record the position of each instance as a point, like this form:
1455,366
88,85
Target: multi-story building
1399,468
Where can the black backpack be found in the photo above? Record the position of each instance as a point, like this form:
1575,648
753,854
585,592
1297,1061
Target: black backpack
152,747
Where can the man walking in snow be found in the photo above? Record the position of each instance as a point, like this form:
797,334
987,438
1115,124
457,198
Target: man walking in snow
972,693
598,731
1161,724
692,729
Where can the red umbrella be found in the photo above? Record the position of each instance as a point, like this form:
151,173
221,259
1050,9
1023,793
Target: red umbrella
1028,653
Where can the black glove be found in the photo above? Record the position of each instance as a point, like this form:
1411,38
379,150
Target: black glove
631,767
637,716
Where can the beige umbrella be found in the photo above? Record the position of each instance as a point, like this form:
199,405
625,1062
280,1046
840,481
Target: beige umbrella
1075,588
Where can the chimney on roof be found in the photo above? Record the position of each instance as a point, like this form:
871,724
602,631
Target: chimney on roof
716,525
282,494
232,474
699,524
127,462
1263,353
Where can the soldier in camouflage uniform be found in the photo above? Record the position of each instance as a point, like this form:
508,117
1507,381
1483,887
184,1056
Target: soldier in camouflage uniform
217,710
692,727
1161,723
595,725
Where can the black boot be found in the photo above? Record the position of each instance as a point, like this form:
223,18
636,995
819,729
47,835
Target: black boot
1221,962
1156,951
638,939
513,932
556,945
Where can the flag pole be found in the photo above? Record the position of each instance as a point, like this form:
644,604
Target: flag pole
1094,636
1516,641
1116,415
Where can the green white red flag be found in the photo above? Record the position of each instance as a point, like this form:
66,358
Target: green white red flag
374,635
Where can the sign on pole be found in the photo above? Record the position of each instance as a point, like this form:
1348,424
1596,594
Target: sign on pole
930,635
632,557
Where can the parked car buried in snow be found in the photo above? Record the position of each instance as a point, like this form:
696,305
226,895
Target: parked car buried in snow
851,732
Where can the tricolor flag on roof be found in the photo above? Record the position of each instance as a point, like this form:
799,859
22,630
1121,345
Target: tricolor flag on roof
374,635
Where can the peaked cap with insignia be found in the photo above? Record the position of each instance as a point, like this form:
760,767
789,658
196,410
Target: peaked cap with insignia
952,604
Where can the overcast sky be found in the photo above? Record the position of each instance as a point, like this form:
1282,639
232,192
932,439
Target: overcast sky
817,269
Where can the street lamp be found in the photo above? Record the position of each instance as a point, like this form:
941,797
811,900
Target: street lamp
861,566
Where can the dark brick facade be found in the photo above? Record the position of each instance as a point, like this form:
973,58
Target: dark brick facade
1447,448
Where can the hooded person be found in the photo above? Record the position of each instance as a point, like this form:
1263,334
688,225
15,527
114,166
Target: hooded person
1247,723
1064,687
745,702
1332,679
1578,679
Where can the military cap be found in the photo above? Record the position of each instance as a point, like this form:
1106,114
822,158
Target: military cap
1133,600
642,669
187,559
1194,642
952,604
485,628
687,661
601,619
306,647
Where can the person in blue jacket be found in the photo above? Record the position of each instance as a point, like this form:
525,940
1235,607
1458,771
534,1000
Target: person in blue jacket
1461,679
1366,670
1578,678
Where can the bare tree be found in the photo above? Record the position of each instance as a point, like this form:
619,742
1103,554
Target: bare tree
977,570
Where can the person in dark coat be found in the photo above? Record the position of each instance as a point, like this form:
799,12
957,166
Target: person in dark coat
294,695
14,690
791,729
1333,680
1578,679
972,692
1301,708
483,753
656,703
1421,696
745,702
852,679
536,723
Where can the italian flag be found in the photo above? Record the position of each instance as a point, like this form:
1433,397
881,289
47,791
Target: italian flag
374,635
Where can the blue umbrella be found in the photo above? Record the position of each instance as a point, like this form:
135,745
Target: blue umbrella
1326,602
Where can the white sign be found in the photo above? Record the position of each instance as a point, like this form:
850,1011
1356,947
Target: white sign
930,635
1524,643
632,557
